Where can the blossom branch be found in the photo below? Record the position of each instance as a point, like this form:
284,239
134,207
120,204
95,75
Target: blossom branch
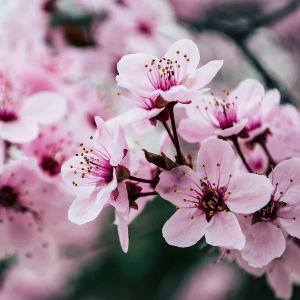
180,158
142,180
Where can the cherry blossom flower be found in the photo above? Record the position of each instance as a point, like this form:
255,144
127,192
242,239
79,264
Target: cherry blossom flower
174,78
28,208
227,116
208,199
265,239
93,173
54,145
21,115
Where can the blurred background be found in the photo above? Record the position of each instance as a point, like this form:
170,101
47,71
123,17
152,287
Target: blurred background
256,38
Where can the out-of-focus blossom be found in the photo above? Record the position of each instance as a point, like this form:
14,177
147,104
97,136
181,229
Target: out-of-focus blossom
207,199
29,209
211,282
20,116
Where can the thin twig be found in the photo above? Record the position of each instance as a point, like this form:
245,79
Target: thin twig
142,179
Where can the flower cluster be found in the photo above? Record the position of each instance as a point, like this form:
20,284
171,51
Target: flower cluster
111,127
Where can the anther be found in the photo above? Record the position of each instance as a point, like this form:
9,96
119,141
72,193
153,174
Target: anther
91,137
191,189
177,207
175,190
278,226
192,217
294,218
218,165
183,173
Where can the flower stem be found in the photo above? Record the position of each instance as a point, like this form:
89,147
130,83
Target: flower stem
238,149
142,180
154,193
271,160
180,158
169,131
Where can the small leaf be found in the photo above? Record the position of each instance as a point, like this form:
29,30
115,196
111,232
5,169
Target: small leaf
125,151
153,121
116,193
133,188
122,173
133,204
169,163
155,159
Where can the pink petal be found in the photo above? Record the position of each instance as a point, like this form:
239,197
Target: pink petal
103,131
121,204
282,173
195,131
249,193
40,255
44,107
291,257
88,205
213,152
250,94
185,47
134,115
182,231
287,222
270,105
257,272
134,64
118,145
224,231
175,180
123,230
21,229
235,129
22,130
180,93
264,242
280,280
204,75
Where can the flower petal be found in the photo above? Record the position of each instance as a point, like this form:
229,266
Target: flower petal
122,222
44,107
224,231
250,94
264,242
211,153
249,193
174,186
235,129
182,231
195,131
283,173
22,130
280,280
286,219
204,75
185,47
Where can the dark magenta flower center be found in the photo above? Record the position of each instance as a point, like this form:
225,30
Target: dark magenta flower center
8,196
50,165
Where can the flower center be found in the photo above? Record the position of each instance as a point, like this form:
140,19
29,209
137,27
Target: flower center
165,73
220,114
50,165
144,27
95,167
7,116
8,196
207,196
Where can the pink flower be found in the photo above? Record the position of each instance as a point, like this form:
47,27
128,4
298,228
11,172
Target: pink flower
20,116
226,116
208,199
265,240
93,173
54,145
28,211
174,77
